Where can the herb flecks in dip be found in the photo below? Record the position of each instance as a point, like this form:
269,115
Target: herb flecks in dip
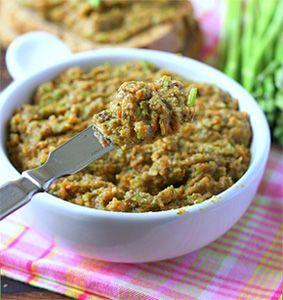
143,111
202,159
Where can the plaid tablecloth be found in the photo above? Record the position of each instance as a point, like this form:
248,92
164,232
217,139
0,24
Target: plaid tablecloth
246,263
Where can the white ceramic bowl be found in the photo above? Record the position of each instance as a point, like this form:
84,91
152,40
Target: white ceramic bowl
127,237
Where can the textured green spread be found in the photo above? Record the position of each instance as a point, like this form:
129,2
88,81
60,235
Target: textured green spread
143,111
204,158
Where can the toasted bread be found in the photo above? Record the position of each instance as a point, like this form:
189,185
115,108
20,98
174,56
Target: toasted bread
173,37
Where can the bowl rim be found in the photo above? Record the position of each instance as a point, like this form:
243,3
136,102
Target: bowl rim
51,201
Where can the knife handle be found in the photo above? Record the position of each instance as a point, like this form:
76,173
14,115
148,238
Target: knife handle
15,194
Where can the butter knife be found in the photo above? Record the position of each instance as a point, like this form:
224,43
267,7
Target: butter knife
71,157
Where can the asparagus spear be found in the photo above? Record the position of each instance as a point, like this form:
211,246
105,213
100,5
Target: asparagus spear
256,47
224,35
278,130
234,27
267,10
279,61
247,36
269,104
272,33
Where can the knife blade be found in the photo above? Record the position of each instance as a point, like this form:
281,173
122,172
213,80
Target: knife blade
69,158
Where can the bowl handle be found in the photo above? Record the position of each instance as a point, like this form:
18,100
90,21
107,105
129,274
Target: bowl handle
33,51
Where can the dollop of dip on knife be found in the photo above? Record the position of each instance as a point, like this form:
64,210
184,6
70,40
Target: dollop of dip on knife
141,112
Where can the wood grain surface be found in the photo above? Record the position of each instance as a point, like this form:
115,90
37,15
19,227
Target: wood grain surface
14,290
11,289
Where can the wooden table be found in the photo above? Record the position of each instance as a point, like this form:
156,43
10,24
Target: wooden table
14,290
11,289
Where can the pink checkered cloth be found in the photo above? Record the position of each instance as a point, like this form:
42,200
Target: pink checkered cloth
245,263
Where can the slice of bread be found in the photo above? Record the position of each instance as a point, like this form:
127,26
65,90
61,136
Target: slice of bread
174,37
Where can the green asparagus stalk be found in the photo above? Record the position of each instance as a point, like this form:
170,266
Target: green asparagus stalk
279,47
279,99
253,53
224,34
279,61
267,10
269,94
269,70
278,130
247,37
272,32
234,27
